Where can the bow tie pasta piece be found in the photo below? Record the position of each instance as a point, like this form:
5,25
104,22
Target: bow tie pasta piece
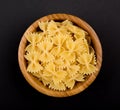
69,83
57,50
59,87
57,74
87,70
34,38
70,57
32,56
73,69
45,45
34,67
46,57
43,25
59,39
78,32
85,59
33,62
52,28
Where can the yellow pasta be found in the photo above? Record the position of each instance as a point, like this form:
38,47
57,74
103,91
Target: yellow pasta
66,55
59,86
45,46
73,69
33,62
60,54
57,50
69,83
43,26
32,56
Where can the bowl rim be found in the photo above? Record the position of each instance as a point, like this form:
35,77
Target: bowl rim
41,88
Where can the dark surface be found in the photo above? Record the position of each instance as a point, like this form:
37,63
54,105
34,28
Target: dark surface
17,15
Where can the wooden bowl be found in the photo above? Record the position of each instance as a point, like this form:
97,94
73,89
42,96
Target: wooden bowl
79,87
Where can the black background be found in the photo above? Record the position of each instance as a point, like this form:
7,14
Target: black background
17,15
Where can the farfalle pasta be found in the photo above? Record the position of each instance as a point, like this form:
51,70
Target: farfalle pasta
60,54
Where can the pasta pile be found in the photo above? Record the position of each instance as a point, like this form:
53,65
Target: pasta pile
60,54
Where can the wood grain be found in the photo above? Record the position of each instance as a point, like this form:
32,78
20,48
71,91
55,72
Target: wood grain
79,87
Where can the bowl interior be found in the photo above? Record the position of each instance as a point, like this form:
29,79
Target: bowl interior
79,87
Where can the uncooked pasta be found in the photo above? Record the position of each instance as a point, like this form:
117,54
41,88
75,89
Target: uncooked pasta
60,54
